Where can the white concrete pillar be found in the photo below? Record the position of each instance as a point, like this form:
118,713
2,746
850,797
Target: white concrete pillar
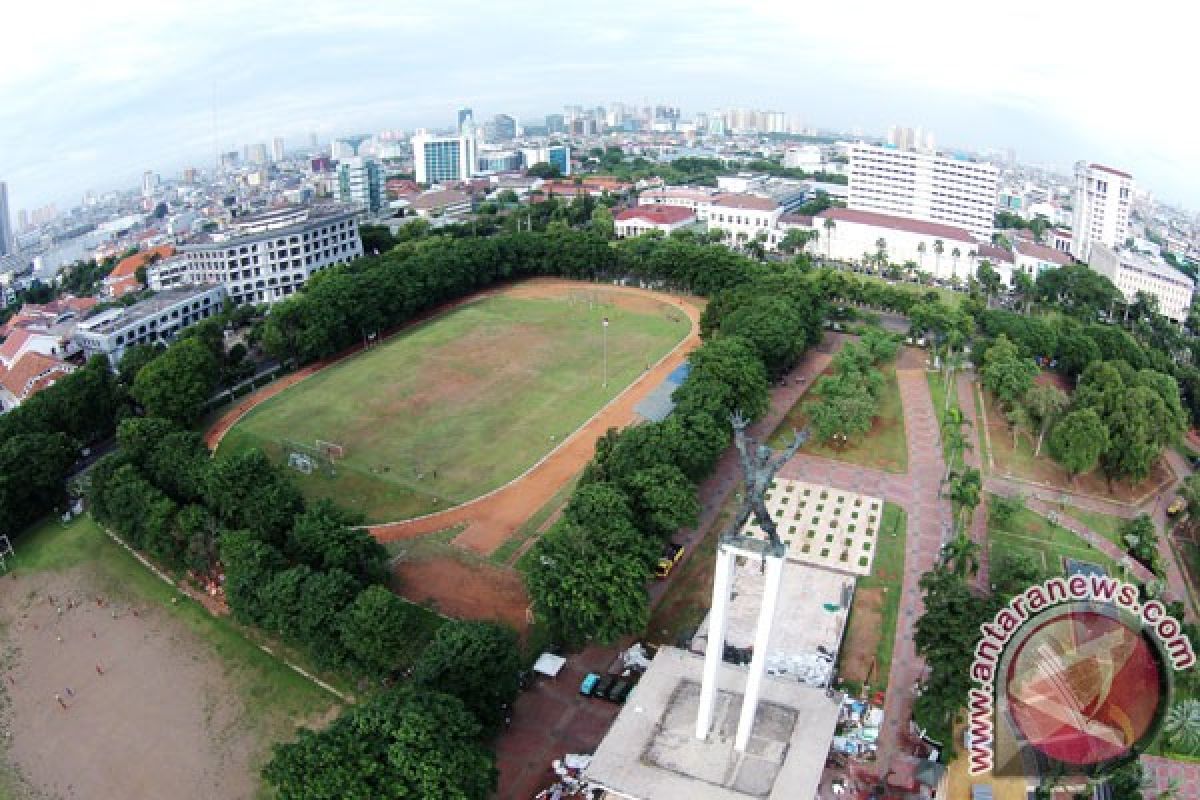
758,662
717,617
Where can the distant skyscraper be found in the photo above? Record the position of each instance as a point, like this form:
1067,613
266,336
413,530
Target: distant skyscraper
502,128
22,220
360,183
464,114
258,154
6,236
1102,198
556,123
277,149
150,182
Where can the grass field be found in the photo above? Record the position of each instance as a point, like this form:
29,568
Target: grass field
1033,534
883,447
270,698
464,403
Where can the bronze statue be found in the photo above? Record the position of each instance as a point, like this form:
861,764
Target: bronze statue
759,468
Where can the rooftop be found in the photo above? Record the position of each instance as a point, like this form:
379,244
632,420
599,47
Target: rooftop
270,223
1042,252
118,318
651,750
438,199
935,229
745,201
29,367
1112,171
994,253
128,267
657,214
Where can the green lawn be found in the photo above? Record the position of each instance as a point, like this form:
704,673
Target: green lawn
462,404
275,698
1033,534
1106,525
884,447
887,573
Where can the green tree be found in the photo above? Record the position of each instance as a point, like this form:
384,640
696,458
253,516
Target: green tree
1135,418
1078,440
477,662
248,491
1005,373
250,565
33,470
961,555
663,500
1182,725
1046,404
965,493
398,745
602,222
327,537
989,279
177,384
379,632
305,606
1141,541
845,408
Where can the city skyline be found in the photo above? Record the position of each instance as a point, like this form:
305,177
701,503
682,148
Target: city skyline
169,87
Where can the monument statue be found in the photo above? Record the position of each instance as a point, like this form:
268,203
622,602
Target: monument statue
759,468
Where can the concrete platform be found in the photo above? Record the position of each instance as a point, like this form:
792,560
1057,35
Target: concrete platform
651,751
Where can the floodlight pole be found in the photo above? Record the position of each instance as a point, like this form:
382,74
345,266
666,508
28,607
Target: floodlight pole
605,337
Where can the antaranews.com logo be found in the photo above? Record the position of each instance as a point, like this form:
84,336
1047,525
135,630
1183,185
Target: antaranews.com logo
1071,677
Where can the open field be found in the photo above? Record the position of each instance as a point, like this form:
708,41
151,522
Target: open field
465,402
1019,462
187,706
871,630
883,447
1034,535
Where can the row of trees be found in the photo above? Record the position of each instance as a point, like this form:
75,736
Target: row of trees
848,400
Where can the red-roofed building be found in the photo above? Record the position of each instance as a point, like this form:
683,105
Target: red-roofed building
643,219
29,374
123,278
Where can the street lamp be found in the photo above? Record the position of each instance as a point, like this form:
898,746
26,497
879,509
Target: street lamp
605,337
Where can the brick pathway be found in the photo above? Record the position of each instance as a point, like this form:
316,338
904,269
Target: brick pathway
1161,773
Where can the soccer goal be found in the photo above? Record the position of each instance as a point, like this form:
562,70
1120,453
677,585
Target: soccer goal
301,463
306,459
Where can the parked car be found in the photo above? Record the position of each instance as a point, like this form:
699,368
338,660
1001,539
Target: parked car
589,684
671,554
619,691
603,686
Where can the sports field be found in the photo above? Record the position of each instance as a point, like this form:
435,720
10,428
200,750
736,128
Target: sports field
465,402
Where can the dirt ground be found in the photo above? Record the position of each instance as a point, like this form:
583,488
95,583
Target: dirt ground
160,721
466,591
862,635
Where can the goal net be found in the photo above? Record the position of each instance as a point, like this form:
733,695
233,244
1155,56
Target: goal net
307,459
331,450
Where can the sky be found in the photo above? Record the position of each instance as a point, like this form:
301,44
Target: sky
93,93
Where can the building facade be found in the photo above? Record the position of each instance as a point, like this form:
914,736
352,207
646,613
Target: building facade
439,159
850,235
645,218
556,155
744,218
930,187
1102,199
360,183
1134,272
269,256
6,233
157,320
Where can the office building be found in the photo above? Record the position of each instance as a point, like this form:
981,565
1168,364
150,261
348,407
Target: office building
277,151
465,115
257,154
1102,197
1133,272
360,183
266,257
150,183
6,232
157,320
437,159
501,128
499,161
556,123
556,155
931,187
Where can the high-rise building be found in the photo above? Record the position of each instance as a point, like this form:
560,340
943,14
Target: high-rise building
465,115
277,149
22,220
502,128
150,183
6,234
556,123
360,183
1102,198
258,154
437,159
557,155
924,186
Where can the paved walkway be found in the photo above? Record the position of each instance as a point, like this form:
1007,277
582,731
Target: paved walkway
1162,773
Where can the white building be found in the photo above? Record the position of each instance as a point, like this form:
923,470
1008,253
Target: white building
689,197
924,186
167,273
807,157
645,218
1102,198
744,217
441,159
854,234
1134,272
153,321
265,257
1033,259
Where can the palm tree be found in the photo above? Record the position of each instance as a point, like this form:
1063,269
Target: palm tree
881,251
1183,724
939,247
965,490
971,256
961,555
955,253
829,226
921,253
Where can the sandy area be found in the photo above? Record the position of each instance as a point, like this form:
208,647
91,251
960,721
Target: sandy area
145,712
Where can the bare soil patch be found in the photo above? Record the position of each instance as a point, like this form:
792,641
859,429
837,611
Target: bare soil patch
862,635
147,709
465,590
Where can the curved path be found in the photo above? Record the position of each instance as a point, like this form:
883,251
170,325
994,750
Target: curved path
492,518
